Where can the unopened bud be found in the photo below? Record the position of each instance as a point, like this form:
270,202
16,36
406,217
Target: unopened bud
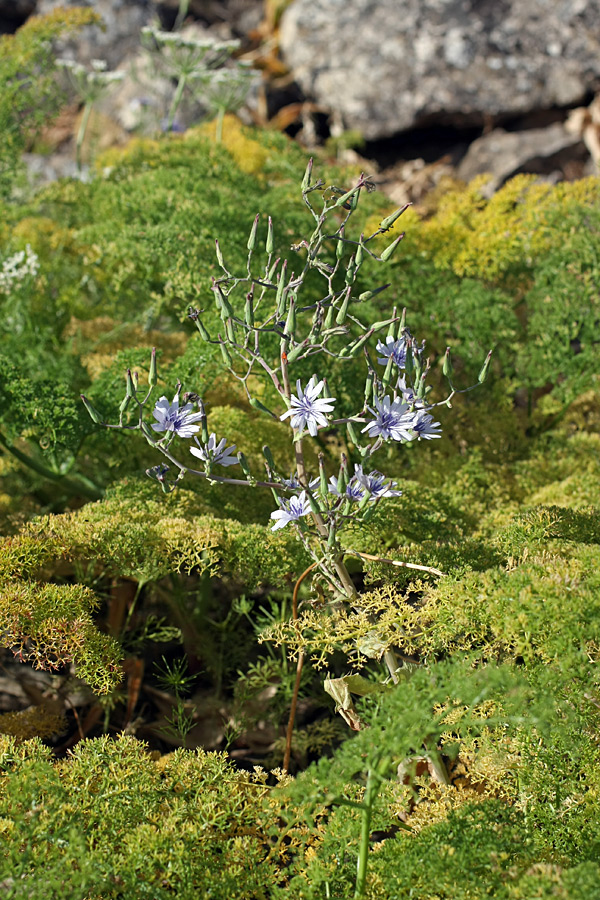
307,174
219,255
152,374
360,251
447,364
256,404
387,223
485,368
92,411
252,239
130,385
389,250
270,239
343,310
268,456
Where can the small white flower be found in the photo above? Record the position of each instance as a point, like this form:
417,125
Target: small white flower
306,410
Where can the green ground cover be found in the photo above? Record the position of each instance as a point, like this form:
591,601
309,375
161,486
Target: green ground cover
477,775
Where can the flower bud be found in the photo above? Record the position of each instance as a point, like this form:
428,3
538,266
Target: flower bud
350,270
268,455
343,310
202,329
343,199
290,322
387,223
307,174
230,331
447,364
91,410
270,239
129,383
297,351
352,434
244,464
387,375
389,250
369,385
360,251
485,368
339,247
313,504
252,239
343,475
256,404
401,324
152,374
367,295
219,255
149,434
225,353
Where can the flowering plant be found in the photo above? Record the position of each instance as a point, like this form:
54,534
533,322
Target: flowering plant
396,400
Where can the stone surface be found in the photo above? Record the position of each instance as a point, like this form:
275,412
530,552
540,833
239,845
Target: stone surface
120,36
502,154
384,66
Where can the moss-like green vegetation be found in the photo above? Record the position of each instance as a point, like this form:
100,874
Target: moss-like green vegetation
485,756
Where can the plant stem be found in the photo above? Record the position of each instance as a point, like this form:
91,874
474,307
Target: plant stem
374,778
176,101
87,109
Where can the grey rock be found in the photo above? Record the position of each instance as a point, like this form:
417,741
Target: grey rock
123,20
502,154
384,66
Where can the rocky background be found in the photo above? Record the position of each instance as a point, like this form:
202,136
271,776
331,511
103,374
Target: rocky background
420,88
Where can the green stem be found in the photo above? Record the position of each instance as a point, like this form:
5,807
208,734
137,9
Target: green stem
176,101
80,484
219,131
374,779
87,109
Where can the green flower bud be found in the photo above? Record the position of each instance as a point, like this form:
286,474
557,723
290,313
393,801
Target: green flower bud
252,239
389,250
270,239
152,374
230,331
339,247
201,328
290,322
313,504
401,325
350,270
367,295
343,199
329,317
256,404
387,223
360,251
369,385
225,353
297,351
219,255
343,310
244,464
92,411
447,364
129,382
267,452
149,434
485,368
352,434
387,375
307,174
323,488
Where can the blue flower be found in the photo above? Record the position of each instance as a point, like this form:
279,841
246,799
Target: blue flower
169,417
217,454
425,427
353,490
394,349
306,410
393,419
375,484
291,510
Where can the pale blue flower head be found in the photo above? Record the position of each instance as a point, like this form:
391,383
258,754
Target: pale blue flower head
424,426
307,410
217,454
352,491
375,484
291,510
172,417
393,420
394,349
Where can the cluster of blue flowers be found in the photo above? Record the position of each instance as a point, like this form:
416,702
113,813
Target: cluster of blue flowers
400,418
